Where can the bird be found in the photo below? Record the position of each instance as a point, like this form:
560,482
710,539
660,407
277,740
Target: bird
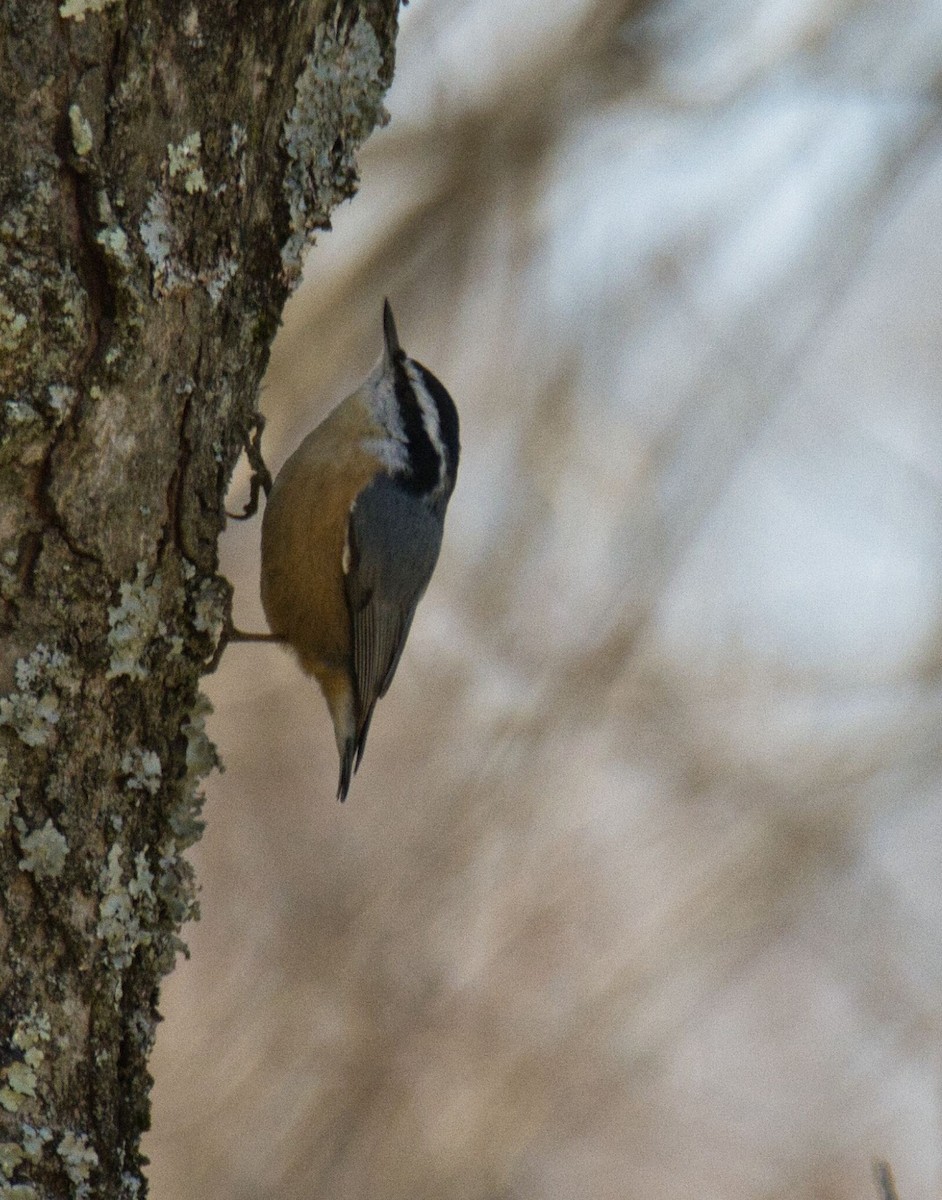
351,534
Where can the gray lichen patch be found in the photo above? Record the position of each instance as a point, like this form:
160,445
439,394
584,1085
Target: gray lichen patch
81,130
18,1078
13,325
11,1155
19,1082
76,10
201,759
17,1157
33,717
33,711
201,755
160,238
44,852
238,137
221,275
210,607
177,889
178,261
60,400
135,622
127,910
338,100
35,1140
31,1032
143,770
176,880
79,1159
183,161
111,237
165,237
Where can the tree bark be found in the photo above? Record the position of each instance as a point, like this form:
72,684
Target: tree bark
164,165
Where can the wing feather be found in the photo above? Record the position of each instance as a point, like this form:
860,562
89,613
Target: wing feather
394,539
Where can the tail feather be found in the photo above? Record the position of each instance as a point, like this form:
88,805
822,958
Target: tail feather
346,769
361,736
338,693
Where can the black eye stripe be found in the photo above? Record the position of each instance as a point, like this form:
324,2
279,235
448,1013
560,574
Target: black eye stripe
447,419
423,469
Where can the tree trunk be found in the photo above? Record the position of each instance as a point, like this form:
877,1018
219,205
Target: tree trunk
163,167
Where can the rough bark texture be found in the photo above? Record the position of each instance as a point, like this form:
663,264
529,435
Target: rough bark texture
163,166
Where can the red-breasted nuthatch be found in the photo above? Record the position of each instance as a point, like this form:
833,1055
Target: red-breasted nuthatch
351,534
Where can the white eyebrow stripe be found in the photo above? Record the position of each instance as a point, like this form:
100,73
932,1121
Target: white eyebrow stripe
429,411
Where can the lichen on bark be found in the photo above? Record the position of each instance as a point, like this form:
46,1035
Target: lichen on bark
145,214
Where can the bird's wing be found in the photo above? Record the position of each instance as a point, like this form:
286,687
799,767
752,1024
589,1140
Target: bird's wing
393,539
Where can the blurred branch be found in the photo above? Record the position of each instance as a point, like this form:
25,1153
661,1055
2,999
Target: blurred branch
884,1177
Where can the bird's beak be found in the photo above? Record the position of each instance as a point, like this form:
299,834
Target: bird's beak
390,336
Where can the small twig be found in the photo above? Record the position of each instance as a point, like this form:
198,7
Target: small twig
884,1178
261,476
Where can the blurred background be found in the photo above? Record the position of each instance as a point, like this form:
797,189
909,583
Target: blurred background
637,892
